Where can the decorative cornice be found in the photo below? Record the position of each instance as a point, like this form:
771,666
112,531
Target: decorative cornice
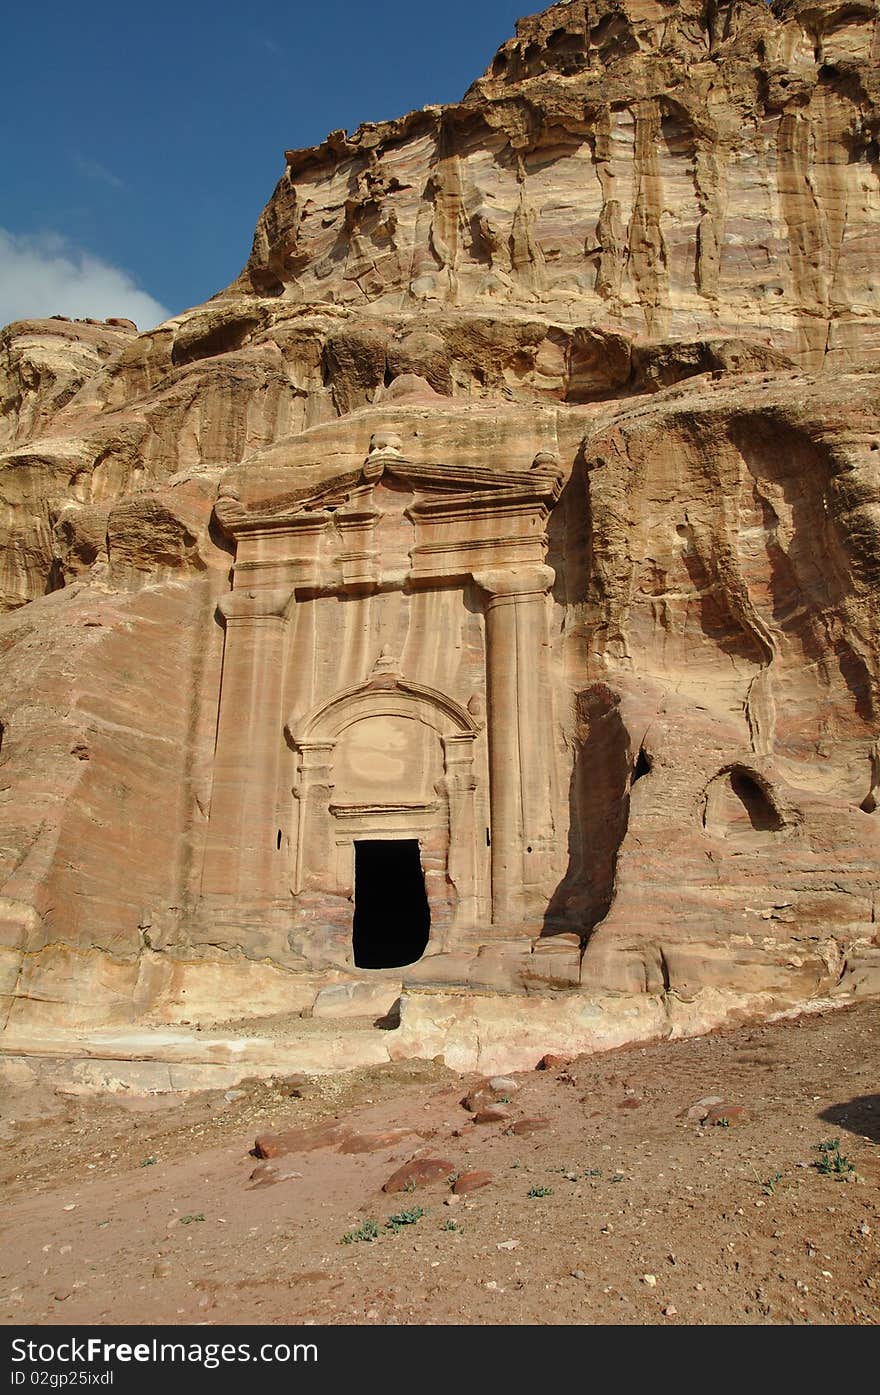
448,488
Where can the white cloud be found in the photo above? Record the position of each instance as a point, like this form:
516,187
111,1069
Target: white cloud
44,274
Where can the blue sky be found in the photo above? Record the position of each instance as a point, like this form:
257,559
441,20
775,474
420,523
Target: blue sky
141,141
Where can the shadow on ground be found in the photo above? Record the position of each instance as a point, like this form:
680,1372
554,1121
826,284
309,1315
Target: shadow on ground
860,1116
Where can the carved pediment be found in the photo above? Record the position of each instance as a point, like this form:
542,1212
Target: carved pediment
433,486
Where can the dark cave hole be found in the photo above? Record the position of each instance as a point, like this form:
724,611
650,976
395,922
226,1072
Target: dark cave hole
642,766
392,918
760,810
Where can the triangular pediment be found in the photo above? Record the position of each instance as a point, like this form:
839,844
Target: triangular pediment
430,484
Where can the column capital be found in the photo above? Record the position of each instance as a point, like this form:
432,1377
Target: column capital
512,582
257,603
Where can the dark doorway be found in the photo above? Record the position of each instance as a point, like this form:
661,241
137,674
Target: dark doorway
391,913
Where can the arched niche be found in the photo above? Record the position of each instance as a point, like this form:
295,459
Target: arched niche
739,804
388,760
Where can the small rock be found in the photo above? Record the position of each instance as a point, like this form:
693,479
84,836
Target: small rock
232,1095
374,1142
670,1310
452,1200
264,1175
729,1114
267,1174
629,1103
71,1207
419,1172
276,1145
495,1115
161,1270
503,1085
478,1099
524,1127
698,1111
650,1280
62,1294
507,1245
471,1182
553,1062
578,1274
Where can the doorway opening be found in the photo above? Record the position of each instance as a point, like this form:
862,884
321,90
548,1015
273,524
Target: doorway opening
392,918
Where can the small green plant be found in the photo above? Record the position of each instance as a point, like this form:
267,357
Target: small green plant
831,1162
722,1123
539,1191
364,1234
409,1186
188,1220
396,1223
619,1177
772,1183
149,1162
450,1225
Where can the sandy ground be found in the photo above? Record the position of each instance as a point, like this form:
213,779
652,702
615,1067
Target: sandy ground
618,1211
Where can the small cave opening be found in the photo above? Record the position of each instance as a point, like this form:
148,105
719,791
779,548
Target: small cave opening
642,766
737,803
392,918
761,814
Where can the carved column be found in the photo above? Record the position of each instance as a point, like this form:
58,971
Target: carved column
314,787
460,785
242,857
515,656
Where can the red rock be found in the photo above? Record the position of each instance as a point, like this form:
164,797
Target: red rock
374,1142
419,1172
121,520
276,1145
482,1096
551,1062
471,1182
696,1113
731,1114
524,1127
495,1115
629,1104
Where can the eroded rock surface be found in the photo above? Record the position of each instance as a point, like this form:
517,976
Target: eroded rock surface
613,323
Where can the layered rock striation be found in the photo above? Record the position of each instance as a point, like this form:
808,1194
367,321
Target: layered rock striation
541,431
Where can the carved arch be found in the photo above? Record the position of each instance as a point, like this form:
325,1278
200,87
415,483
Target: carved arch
395,697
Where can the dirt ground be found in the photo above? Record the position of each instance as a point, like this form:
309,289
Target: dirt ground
620,1210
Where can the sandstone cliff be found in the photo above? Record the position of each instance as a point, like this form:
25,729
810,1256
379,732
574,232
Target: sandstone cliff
644,245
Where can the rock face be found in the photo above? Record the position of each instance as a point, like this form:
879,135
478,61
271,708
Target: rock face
476,602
